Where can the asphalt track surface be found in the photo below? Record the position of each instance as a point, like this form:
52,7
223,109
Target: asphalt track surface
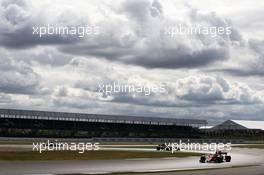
250,170
240,157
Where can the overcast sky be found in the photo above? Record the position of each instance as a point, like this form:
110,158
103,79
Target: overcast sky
212,78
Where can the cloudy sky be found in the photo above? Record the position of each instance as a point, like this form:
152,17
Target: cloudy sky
213,78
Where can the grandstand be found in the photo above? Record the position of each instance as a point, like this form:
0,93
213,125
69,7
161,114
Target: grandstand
29,123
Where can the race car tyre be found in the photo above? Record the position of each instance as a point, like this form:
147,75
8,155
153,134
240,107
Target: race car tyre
228,158
202,159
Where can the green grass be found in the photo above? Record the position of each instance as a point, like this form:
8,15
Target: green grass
119,144
259,146
16,142
89,155
130,146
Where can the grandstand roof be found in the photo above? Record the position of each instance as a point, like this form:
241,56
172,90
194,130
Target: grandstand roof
45,115
240,125
250,124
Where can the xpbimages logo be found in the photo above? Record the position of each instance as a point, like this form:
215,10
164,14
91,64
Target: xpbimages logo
213,31
189,146
64,146
53,30
130,88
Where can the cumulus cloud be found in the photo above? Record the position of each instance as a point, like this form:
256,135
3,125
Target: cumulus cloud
210,90
18,78
253,65
192,91
18,18
141,39
136,37
198,91
201,74
47,56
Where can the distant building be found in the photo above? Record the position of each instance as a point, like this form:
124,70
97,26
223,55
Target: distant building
240,125
206,127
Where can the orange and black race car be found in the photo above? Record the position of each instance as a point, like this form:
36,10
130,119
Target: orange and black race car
218,157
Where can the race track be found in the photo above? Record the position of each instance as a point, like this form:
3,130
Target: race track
240,157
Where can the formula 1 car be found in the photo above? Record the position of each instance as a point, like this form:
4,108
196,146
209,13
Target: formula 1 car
218,157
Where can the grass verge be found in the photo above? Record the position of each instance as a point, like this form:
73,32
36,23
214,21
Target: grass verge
258,146
16,142
89,155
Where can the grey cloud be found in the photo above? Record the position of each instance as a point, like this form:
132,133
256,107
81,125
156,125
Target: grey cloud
138,10
124,44
153,101
142,11
74,103
21,3
212,19
254,67
254,112
63,92
174,58
168,53
154,56
17,78
240,72
5,99
23,38
156,8
18,20
190,91
215,90
131,35
46,56
236,36
258,46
